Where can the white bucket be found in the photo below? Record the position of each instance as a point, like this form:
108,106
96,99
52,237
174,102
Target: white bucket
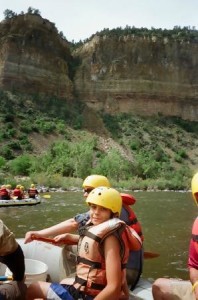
35,270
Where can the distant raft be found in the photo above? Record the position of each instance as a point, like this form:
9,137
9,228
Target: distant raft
22,202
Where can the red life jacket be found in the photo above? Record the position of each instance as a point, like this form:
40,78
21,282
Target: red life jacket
4,192
32,192
90,271
17,193
127,200
195,234
133,221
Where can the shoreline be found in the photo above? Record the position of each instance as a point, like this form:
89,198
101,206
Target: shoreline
42,190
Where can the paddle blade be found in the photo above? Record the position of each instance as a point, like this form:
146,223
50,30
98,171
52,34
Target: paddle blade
148,255
46,196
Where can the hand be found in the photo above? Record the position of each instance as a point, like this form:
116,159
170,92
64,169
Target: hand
61,238
28,236
125,289
66,238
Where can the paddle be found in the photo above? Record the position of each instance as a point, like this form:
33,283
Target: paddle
46,196
51,241
148,255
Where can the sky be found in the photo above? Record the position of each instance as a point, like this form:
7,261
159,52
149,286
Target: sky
79,19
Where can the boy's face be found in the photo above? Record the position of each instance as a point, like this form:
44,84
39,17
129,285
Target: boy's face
99,214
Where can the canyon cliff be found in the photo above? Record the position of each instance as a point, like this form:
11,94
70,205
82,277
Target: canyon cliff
143,75
33,57
137,75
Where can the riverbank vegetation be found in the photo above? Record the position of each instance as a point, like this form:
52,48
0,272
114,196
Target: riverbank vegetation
48,144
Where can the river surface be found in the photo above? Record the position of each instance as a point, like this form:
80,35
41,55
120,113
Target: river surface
166,218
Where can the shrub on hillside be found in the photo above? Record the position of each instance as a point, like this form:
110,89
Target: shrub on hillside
20,165
2,161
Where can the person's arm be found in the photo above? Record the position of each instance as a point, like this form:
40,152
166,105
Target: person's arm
113,270
67,238
193,267
194,280
63,227
125,289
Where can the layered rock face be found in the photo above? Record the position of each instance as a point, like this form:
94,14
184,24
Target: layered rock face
138,75
144,76
33,57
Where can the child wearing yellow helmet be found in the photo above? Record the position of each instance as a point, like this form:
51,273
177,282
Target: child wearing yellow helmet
135,262
103,251
107,198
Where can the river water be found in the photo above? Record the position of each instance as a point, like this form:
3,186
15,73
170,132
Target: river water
166,218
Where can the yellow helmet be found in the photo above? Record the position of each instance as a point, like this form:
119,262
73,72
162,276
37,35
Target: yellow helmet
22,187
32,185
18,186
8,186
95,181
106,197
194,187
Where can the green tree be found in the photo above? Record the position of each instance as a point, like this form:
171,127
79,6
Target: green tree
82,154
113,165
20,165
2,161
8,14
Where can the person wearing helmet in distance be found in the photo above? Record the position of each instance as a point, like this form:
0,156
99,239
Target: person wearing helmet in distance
17,192
9,189
4,193
32,191
135,262
174,289
103,250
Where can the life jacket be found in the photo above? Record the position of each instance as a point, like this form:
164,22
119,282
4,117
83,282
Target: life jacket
133,221
195,234
90,272
32,192
127,199
17,193
4,192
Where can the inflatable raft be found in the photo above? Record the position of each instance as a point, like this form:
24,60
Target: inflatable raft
14,202
60,263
